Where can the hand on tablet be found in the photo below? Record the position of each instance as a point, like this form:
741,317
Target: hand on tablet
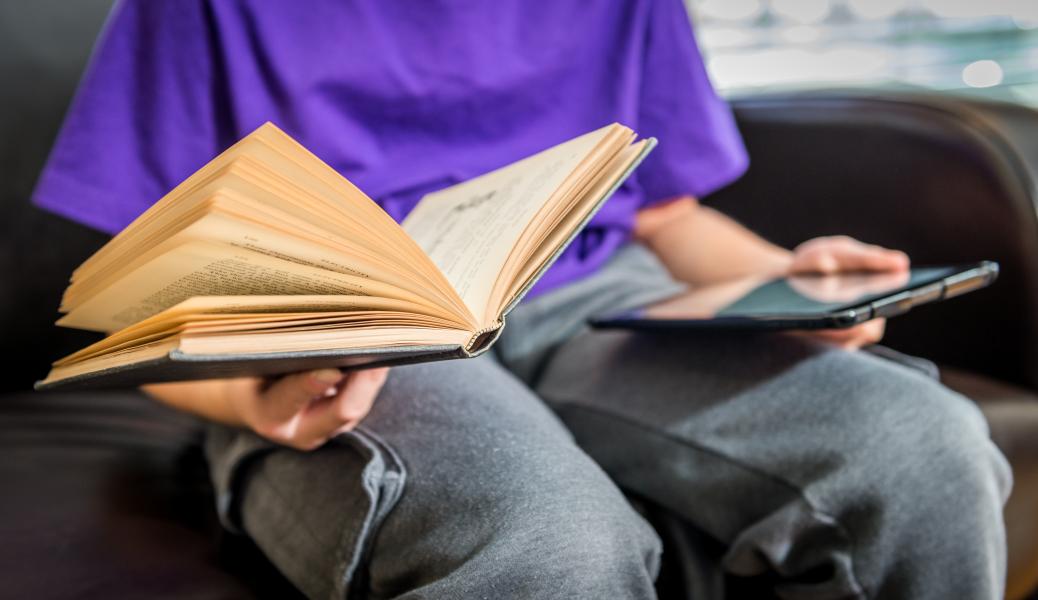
843,254
846,287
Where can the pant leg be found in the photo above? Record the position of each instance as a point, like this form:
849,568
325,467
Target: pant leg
835,474
459,484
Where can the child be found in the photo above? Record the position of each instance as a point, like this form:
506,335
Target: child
829,472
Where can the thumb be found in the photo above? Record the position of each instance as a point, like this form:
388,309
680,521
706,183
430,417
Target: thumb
291,393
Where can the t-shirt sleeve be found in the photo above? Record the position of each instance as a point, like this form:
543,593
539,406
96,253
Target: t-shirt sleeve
700,149
143,117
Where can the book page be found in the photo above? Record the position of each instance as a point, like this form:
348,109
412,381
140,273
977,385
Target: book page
199,309
469,229
557,233
276,176
208,269
219,227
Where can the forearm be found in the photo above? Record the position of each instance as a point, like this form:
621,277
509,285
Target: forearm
207,399
701,245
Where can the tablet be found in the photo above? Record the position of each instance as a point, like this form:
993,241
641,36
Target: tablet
804,301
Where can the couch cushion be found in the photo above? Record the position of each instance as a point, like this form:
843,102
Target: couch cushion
106,495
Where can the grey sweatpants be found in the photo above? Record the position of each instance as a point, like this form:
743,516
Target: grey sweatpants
825,473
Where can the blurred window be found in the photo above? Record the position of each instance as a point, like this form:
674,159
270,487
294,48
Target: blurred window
987,47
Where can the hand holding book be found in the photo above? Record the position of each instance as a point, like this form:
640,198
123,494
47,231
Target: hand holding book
301,410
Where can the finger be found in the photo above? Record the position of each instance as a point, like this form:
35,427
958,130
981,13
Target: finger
287,396
859,336
837,253
844,338
855,256
329,416
872,332
851,338
834,337
818,255
815,260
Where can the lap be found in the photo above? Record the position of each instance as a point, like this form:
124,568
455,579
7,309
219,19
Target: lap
795,458
754,396
725,430
459,467
461,474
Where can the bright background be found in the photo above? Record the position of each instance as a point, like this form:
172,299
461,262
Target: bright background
987,47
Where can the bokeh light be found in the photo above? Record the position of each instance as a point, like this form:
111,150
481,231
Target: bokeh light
982,74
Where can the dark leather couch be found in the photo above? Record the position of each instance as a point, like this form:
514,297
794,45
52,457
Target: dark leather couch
947,179
106,495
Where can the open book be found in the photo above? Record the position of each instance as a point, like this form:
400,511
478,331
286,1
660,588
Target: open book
268,261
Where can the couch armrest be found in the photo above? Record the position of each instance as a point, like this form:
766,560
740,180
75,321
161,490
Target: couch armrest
945,178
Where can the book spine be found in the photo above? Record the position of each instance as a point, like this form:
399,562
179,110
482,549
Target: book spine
483,339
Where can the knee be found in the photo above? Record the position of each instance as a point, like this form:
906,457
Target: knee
520,513
928,445
953,443
575,534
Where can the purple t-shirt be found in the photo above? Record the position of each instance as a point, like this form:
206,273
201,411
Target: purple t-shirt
401,97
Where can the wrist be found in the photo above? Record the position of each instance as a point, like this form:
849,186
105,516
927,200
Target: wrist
212,399
779,263
229,395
